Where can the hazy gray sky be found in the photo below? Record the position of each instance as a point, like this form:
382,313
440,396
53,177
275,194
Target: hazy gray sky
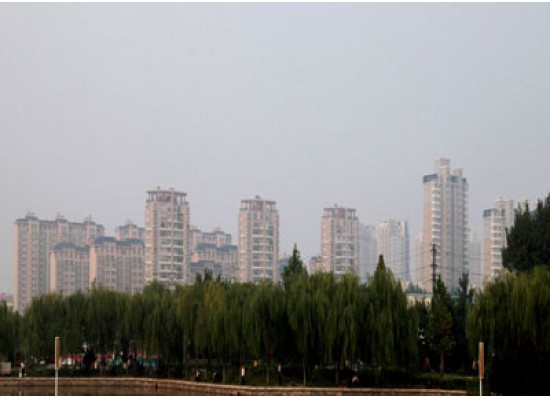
305,104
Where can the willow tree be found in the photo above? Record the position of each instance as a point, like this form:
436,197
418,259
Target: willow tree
461,306
210,336
215,308
299,309
346,319
528,241
323,325
440,323
240,320
160,326
42,322
186,316
512,317
267,305
390,327
73,334
9,332
104,319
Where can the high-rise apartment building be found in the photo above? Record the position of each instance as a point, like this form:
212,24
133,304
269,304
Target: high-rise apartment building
69,269
417,274
315,265
340,240
217,237
130,231
167,223
393,245
475,270
34,241
368,251
495,222
118,265
258,240
445,223
214,252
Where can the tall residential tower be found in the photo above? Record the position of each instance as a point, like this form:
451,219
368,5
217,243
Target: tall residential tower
445,223
393,245
368,251
495,222
34,241
258,240
167,224
340,240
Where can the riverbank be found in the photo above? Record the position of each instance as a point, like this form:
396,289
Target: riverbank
209,389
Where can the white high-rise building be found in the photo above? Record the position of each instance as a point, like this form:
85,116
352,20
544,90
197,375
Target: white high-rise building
214,252
34,241
475,270
495,222
69,269
118,265
129,231
368,251
167,223
340,240
393,245
445,223
258,240
418,271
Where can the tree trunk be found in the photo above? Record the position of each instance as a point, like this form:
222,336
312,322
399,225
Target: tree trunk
441,362
185,355
304,369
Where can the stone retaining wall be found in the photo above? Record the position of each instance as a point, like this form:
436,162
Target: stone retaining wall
218,389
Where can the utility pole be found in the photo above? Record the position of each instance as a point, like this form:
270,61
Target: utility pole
57,364
481,366
433,267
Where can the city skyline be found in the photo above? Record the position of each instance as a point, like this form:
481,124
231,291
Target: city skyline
307,105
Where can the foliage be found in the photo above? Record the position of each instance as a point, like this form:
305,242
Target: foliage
460,310
9,332
440,322
528,240
309,321
512,318
294,268
391,327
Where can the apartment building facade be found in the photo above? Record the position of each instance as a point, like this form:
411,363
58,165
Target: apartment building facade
445,223
368,251
340,240
34,241
167,225
129,231
393,245
258,240
117,265
213,251
495,222
69,269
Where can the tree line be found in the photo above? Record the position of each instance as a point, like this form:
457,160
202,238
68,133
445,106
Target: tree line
307,320
317,320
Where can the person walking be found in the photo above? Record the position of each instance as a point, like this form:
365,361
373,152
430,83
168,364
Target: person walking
280,373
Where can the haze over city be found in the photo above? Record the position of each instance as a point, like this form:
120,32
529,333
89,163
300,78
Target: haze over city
307,105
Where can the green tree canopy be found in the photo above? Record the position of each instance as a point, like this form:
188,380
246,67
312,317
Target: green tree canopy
440,322
512,318
528,240
294,267
390,333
